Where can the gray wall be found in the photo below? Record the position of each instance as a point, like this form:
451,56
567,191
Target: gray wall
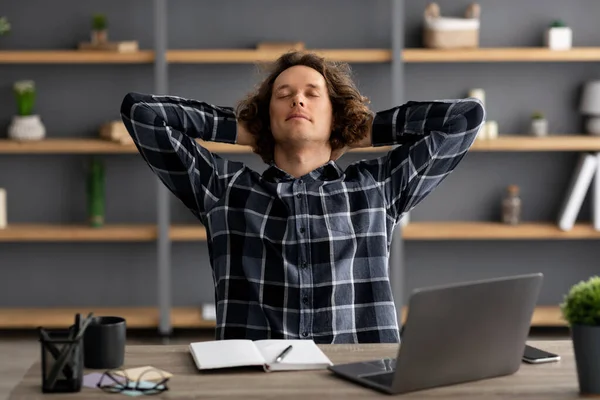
74,99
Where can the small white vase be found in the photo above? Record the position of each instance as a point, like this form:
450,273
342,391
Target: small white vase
27,127
559,38
539,127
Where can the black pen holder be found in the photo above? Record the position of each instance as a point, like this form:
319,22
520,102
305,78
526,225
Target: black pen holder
62,361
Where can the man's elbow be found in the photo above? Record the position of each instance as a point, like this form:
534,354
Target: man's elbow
474,114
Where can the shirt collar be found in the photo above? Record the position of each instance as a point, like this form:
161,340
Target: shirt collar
326,172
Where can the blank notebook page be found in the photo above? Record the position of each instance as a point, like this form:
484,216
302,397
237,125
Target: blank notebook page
225,353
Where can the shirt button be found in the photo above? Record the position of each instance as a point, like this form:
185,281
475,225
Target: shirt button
305,300
301,230
300,181
298,195
305,334
303,265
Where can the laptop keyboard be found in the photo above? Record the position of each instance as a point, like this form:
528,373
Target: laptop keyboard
385,378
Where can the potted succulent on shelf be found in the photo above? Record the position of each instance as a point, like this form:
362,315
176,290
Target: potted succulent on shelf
99,29
581,310
539,124
559,36
26,125
4,26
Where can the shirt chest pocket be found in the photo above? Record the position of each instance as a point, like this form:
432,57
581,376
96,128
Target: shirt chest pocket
339,215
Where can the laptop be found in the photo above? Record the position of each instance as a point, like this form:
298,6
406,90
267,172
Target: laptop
455,333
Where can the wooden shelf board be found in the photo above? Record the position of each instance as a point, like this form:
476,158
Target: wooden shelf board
414,231
517,143
378,55
494,231
136,317
74,57
207,56
77,233
575,142
181,317
108,233
501,54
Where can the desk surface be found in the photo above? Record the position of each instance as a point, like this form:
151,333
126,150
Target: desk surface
545,381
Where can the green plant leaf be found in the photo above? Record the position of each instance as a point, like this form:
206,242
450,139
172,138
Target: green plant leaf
581,305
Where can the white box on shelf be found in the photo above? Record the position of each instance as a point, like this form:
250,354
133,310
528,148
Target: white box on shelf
209,312
559,38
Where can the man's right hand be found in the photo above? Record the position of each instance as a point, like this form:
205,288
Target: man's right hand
244,137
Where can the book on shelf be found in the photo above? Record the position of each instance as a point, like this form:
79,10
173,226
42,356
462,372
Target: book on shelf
596,196
587,168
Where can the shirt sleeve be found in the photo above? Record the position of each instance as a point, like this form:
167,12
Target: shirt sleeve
432,138
164,129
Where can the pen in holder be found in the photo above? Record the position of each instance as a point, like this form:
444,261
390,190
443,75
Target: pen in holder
62,357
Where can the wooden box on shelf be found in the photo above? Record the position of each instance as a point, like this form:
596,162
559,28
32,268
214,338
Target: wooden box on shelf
129,46
115,131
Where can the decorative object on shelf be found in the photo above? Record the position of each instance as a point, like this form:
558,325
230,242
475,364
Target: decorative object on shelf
3,219
491,129
581,310
4,26
450,33
405,220
99,38
587,167
478,94
95,193
539,124
99,29
511,206
26,125
281,47
590,106
115,131
559,36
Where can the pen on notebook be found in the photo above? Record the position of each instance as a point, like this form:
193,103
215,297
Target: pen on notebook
283,353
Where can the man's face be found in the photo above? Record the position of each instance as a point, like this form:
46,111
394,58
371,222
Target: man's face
300,107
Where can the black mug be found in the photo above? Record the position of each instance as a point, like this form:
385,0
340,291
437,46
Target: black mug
104,343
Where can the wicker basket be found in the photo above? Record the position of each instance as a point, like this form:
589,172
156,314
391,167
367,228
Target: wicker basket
450,33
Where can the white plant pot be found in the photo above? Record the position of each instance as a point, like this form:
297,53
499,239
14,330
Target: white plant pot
539,127
559,38
29,127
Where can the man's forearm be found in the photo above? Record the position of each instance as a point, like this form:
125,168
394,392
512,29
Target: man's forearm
192,118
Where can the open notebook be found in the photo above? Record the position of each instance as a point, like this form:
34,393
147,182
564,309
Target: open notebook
304,355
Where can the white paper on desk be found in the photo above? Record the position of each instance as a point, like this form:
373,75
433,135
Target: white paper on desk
305,354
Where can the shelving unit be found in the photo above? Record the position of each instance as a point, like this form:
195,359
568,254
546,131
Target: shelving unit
396,56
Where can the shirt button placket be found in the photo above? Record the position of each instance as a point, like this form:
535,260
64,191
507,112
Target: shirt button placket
305,279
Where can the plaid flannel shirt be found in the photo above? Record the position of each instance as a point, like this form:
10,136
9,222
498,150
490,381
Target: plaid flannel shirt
301,257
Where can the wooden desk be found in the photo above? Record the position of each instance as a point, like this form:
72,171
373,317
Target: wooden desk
545,381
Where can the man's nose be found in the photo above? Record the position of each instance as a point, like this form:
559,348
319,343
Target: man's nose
297,101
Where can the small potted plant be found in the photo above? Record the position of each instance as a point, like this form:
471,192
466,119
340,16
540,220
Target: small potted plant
99,29
539,124
559,36
26,125
581,310
4,26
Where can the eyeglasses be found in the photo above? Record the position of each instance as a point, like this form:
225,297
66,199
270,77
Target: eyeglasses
117,381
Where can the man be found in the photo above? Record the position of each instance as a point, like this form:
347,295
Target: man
301,250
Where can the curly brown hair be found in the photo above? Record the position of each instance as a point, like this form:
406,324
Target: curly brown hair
351,114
